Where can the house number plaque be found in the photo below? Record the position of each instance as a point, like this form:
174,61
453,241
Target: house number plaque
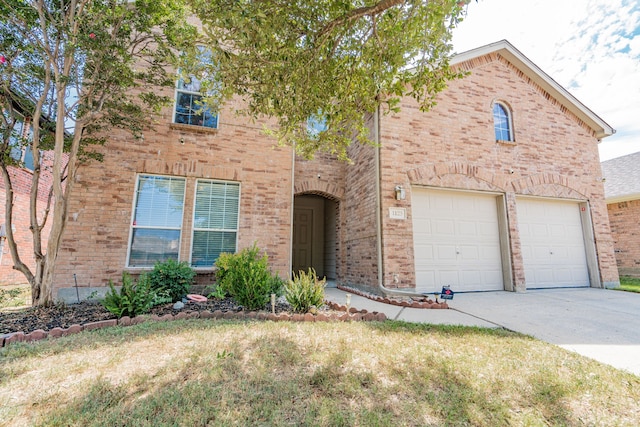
397,213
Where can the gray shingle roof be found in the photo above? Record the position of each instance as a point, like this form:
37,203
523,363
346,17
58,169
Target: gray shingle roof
622,176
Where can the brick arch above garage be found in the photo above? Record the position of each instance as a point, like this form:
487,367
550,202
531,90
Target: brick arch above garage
472,177
458,175
549,185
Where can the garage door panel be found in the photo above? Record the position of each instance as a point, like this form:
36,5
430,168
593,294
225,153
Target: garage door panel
444,227
448,277
538,231
424,225
467,228
446,253
557,231
552,243
465,241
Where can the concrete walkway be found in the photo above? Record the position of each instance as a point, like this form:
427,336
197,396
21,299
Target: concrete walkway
601,324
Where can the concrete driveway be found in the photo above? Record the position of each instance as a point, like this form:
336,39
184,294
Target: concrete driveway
597,323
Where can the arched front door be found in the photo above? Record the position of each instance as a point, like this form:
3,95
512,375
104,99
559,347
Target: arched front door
314,235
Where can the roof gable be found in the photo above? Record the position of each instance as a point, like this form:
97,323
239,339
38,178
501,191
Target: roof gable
506,50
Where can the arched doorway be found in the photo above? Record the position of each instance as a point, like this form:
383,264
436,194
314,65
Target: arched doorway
315,243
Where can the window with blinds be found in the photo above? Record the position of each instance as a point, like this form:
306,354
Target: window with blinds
215,221
157,220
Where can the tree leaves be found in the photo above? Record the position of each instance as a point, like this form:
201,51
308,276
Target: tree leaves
291,59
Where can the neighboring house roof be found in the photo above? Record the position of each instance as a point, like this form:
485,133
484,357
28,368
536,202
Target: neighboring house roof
531,70
622,178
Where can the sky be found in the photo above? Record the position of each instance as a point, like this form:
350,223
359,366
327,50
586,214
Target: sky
590,47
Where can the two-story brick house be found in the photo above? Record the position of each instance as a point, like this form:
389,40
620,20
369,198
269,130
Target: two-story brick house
497,187
622,194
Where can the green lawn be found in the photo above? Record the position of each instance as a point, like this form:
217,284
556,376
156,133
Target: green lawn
201,372
630,284
15,296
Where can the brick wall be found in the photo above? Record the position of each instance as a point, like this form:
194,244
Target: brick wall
624,218
96,238
361,257
21,182
453,146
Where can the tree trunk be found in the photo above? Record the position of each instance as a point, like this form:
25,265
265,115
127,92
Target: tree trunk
42,284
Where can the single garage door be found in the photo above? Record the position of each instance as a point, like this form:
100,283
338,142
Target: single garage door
552,243
456,241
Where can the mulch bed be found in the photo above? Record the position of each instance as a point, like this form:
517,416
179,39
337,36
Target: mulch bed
64,316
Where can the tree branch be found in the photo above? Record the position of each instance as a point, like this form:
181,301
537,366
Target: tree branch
358,13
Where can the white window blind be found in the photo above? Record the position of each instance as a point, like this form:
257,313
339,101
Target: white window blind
215,221
157,220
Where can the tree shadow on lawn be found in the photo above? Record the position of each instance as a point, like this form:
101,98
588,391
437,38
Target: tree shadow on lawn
272,379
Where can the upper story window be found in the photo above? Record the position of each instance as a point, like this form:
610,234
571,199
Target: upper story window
189,108
20,144
316,124
502,123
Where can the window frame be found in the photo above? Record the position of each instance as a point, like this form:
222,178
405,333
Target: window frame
316,124
25,132
133,216
193,219
509,118
178,91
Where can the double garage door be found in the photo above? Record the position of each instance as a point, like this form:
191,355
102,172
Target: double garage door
458,239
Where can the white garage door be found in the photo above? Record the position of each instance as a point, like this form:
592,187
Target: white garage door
552,243
456,241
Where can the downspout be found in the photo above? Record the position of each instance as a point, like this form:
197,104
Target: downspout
293,199
385,291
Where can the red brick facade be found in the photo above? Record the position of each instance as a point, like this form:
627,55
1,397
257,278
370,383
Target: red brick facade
97,235
453,147
21,182
625,229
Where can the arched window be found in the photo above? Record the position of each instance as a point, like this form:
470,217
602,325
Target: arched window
502,122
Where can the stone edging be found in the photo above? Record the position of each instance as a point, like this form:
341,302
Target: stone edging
410,302
353,315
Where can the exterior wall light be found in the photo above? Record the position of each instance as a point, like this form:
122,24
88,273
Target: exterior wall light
400,195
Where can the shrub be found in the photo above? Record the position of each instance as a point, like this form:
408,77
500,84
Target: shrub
217,293
171,279
245,276
133,299
304,291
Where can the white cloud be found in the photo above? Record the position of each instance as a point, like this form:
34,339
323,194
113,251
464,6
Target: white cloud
592,48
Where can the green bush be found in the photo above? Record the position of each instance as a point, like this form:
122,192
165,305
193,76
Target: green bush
133,299
304,291
171,279
245,277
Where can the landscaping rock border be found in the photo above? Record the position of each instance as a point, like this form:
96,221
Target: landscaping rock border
411,302
353,315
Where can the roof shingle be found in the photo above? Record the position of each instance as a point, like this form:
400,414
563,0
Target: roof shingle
622,178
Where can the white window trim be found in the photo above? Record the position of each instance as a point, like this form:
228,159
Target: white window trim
177,91
133,215
193,220
509,112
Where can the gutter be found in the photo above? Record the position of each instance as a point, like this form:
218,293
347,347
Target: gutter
385,291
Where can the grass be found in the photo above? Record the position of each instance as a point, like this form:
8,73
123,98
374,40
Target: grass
200,372
629,284
15,296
